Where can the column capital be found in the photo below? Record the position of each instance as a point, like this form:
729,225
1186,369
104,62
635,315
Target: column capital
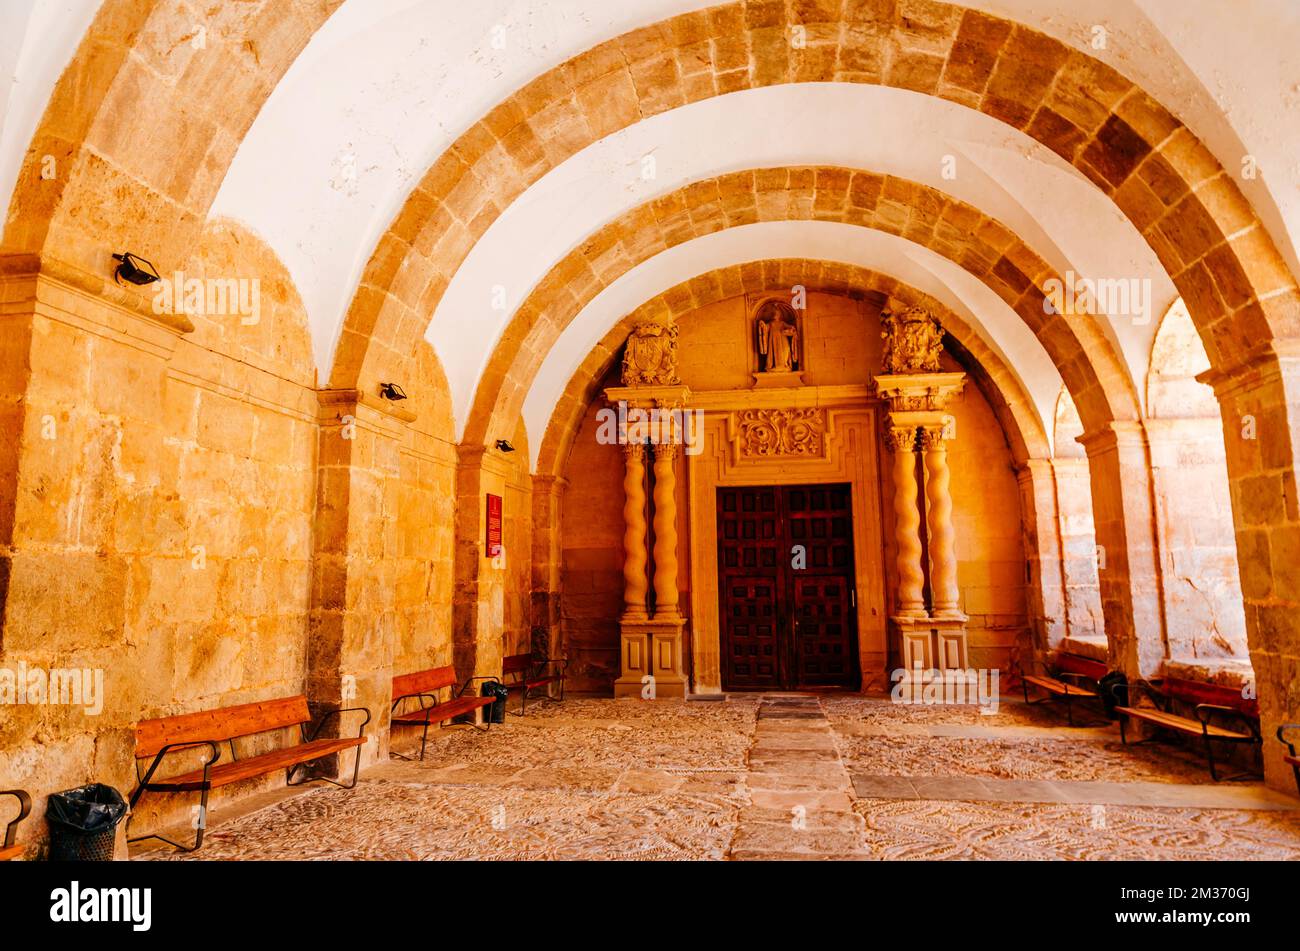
918,392
634,450
667,451
1269,359
933,438
1117,434
900,438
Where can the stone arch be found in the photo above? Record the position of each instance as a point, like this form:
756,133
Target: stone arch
1159,174
1242,297
1026,436
1076,344
116,185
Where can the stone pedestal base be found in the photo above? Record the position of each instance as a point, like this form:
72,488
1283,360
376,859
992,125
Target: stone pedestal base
651,648
777,378
937,643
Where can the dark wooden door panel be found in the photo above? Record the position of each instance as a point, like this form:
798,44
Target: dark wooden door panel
753,643
786,627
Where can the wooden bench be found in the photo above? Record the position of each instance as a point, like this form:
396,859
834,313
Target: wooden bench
8,850
424,685
521,672
1291,759
160,737
1072,678
1207,701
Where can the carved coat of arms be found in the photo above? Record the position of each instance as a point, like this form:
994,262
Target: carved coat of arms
913,341
650,357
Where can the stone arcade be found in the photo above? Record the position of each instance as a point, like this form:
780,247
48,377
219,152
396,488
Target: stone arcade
770,365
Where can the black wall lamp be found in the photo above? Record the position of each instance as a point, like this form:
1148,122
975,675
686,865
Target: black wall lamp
391,391
504,445
134,270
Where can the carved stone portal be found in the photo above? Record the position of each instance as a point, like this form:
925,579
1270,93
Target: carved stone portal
913,340
650,358
765,433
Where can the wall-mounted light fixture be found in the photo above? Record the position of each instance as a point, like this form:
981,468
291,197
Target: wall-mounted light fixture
391,391
134,270
504,445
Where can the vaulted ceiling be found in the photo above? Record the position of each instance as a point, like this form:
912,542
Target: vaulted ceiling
385,87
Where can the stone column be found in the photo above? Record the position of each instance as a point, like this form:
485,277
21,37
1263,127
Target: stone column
634,533
665,522
1046,591
916,400
943,555
666,628
907,523
1123,510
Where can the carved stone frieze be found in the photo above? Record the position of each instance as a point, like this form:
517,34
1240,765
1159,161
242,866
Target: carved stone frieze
765,433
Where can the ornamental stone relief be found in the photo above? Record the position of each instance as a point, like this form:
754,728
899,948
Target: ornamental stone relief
764,433
650,358
913,341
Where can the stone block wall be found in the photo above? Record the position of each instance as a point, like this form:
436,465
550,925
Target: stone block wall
180,515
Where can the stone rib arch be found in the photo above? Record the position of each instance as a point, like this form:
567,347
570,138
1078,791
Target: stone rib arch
1025,433
118,184
1077,345
1158,173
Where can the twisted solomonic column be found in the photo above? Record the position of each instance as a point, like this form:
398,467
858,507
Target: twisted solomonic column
635,584
665,522
943,559
907,522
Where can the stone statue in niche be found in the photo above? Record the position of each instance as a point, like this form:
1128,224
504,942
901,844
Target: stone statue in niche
650,358
776,338
913,340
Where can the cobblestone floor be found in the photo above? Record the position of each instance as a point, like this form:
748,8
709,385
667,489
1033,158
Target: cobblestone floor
772,777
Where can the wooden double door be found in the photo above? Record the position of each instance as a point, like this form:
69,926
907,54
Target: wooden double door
786,586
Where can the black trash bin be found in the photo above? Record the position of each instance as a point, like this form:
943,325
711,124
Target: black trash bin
1114,692
496,689
83,823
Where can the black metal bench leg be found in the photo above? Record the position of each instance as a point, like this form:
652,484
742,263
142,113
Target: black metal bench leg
1122,721
1209,754
424,740
1069,710
198,839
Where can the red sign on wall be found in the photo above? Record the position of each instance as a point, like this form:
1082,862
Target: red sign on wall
494,542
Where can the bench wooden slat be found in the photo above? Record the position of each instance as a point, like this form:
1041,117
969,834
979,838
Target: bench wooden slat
224,774
1077,664
1058,687
1194,692
13,852
227,723
516,663
1182,724
1291,760
442,712
423,681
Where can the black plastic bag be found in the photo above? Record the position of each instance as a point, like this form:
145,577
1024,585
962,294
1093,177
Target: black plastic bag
86,809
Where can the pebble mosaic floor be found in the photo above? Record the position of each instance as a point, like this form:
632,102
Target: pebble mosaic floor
777,776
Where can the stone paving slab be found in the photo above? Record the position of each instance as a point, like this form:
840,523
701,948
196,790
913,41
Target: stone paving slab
671,780
986,789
